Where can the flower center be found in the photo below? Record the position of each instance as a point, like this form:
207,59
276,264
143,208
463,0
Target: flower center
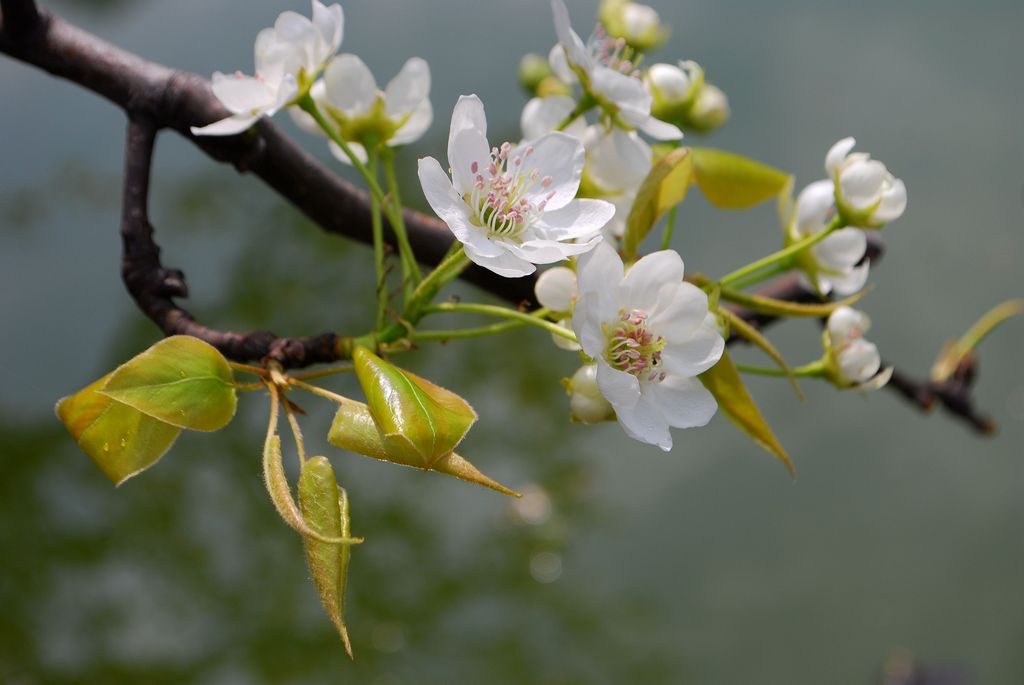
614,53
499,197
632,347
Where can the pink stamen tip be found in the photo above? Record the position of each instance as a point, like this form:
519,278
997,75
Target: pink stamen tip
546,182
474,167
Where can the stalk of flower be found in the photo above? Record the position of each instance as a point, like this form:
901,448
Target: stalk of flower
289,58
837,263
649,334
512,207
607,70
850,360
867,194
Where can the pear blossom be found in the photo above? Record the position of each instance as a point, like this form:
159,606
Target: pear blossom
852,361
512,207
867,194
556,289
836,263
289,56
710,109
606,69
673,87
586,402
650,335
365,115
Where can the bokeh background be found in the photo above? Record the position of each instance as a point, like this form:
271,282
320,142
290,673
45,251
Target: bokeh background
902,535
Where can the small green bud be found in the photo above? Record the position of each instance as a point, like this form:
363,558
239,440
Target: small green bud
586,400
533,70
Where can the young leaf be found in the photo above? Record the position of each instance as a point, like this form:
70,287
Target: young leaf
754,336
773,307
731,181
417,418
955,351
724,382
354,429
325,507
180,380
120,440
665,187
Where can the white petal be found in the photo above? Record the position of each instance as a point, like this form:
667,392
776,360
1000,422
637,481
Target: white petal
861,183
575,50
660,130
303,119
880,380
851,281
408,89
296,30
836,154
556,289
599,275
241,94
541,251
349,86
357,149
625,92
443,198
226,127
468,150
671,83
468,114
894,203
505,264
644,422
679,310
560,65
330,24
842,249
846,323
695,354
617,160
558,159
644,279
684,402
859,361
618,387
814,208
542,115
415,126
579,219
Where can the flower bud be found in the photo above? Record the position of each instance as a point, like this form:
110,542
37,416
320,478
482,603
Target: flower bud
850,360
867,194
639,25
586,401
556,289
674,89
533,69
710,110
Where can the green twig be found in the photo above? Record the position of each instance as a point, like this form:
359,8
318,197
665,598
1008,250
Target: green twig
410,269
503,312
785,256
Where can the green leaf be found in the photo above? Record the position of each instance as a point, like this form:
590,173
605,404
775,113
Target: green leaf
355,429
956,351
724,382
419,420
180,380
665,187
754,336
731,181
121,440
325,507
773,307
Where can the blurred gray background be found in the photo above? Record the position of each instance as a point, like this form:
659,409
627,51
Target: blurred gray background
902,535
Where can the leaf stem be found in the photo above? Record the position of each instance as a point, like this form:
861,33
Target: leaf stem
812,370
322,373
410,269
308,105
377,227
670,223
503,312
248,368
480,331
785,256
317,390
300,445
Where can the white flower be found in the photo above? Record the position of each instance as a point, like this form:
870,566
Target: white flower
512,207
606,71
650,334
866,193
853,361
289,57
837,262
543,115
587,403
365,115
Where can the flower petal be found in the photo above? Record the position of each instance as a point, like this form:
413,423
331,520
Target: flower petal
415,126
542,115
349,85
695,354
558,159
845,324
842,249
894,203
644,279
660,130
579,219
560,65
861,183
467,149
814,208
408,88
556,289
644,421
858,361
684,402
330,25
357,149
226,127
625,92
618,387
836,154
575,50
241,94
678,311
468,114
617,160
505,264
849,282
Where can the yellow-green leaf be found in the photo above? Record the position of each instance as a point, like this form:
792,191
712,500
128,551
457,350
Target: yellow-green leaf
731,181
724,382
417,418
773,307
355,429
120,440
665,187
754,336
325,507
180,380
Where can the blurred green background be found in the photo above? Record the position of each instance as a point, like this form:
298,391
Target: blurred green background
706,565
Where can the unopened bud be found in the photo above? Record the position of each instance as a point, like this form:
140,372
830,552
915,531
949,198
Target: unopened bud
710,109
639,25
586,401
533,70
